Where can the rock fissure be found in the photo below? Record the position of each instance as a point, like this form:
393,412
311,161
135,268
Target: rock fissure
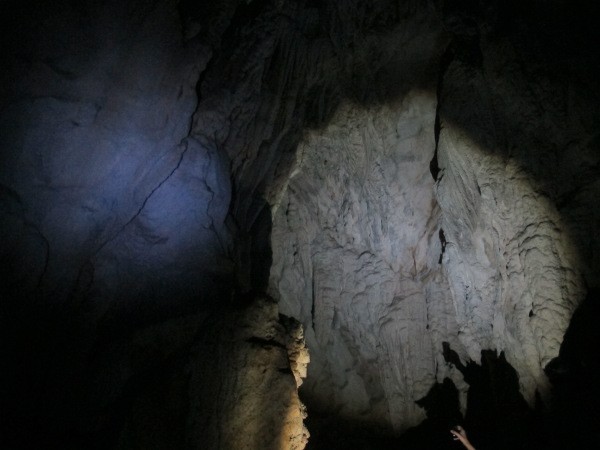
139,211
445,62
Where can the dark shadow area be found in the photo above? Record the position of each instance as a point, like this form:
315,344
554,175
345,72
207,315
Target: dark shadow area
443,413
65,387
497,415
331,432
255,251
575,375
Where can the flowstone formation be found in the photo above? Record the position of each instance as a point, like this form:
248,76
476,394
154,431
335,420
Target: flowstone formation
514,272
511,138
356,253
382,265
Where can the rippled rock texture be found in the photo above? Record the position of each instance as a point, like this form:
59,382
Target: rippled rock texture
382,264
356,254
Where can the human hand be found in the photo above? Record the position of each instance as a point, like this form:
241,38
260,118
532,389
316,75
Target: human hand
460,434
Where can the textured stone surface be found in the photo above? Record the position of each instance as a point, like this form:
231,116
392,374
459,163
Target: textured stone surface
113,205
355,258
510,134
226,380
515,277
96,155
357,234
248,395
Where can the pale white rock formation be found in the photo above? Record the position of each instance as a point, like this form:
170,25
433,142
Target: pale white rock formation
517,216
381,266
355,259
513,269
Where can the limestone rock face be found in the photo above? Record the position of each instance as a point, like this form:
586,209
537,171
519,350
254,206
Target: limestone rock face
98,172
112,212
248,394
382,265
514,272
356,259
517,253
223,381
298,353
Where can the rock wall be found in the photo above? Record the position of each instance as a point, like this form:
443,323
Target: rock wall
114,194
359,228
356,257
98,167
508,136
247,396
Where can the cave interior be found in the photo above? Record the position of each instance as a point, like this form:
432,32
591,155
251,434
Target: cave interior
289,224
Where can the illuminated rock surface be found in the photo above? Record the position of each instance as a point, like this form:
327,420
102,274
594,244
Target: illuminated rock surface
356,257
165,165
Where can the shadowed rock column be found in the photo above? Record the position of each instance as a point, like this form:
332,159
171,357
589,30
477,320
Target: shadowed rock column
244,381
